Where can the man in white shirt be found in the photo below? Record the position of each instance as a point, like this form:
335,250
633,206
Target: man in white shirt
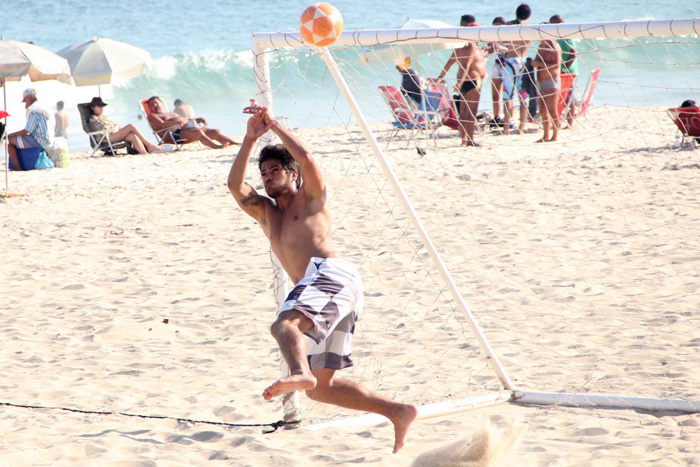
35,133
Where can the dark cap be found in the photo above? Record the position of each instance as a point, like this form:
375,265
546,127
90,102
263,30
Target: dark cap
97,101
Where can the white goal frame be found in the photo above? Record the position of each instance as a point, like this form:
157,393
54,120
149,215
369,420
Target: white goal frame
262,42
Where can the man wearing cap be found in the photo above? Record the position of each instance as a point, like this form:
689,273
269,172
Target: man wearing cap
36,132
99,122
470,74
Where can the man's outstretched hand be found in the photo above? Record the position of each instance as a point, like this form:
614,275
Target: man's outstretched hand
259,122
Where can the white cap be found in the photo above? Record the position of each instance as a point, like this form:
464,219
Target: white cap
28,92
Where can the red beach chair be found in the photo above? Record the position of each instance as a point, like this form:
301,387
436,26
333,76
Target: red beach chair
567,84
166,135
687,119
588,92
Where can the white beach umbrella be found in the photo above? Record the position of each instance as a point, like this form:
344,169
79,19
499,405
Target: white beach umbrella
104,61
397,52
19,59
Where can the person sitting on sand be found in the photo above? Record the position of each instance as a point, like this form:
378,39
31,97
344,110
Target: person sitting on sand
99,122
470,75
328,296
548,65
160,119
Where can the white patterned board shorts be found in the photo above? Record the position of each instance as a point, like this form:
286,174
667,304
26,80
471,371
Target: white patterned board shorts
331,295
26,142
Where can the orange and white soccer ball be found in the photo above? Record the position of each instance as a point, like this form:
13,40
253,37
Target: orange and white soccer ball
321,24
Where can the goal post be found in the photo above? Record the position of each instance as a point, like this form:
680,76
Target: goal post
308,93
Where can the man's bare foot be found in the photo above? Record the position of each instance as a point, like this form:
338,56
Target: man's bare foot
543,140
289,384
402,421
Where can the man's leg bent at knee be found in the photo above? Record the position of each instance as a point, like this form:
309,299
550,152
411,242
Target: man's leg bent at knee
288,330
12,152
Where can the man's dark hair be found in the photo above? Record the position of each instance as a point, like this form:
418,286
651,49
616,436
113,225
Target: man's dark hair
688,103
523,12
556,19
467,19
279,152
498,20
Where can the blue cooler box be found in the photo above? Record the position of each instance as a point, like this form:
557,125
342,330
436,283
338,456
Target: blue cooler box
27,158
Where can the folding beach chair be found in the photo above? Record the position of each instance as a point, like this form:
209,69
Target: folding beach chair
99,140
166,135
567,85
687,119
446,108
588,92
410,118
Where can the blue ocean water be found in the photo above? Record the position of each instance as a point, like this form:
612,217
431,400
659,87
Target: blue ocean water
202,50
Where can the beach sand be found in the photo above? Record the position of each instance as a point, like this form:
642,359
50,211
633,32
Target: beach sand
135,285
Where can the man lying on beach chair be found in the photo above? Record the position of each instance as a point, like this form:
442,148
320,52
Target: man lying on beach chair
171,127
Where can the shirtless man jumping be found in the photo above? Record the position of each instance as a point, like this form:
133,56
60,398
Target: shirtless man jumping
548,64
470,75
328,296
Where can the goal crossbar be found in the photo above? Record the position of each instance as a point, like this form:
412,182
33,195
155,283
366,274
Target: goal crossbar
603,30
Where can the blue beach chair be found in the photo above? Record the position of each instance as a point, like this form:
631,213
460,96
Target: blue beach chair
406,117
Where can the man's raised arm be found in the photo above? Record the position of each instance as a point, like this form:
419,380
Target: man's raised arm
310,170
246,196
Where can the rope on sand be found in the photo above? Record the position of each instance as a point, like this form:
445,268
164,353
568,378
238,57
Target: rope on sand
274,425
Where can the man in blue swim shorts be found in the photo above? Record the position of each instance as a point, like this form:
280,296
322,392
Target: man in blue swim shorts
182,129
514,68
328,296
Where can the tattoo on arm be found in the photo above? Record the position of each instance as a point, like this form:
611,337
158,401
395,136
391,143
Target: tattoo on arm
251,200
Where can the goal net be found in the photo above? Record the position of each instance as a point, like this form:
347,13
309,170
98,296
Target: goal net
562,272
